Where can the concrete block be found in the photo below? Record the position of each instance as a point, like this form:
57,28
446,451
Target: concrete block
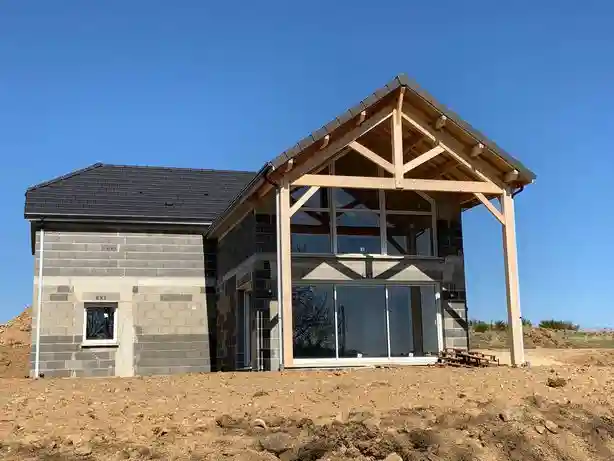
194,272
187,346
46,339
94,372
132,272
455,333
53,365
166,256
64,373
58,297
175,297
86,354
160,362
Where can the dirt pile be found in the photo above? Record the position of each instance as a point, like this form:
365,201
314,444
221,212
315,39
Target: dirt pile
407,414
17,331
533,337
15,340
541,337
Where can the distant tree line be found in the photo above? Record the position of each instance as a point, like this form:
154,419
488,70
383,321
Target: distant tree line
481,326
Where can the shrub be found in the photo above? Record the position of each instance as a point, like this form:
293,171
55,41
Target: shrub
526,323
500,325
559,325
479,326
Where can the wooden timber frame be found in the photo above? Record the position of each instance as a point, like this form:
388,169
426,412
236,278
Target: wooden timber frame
429,150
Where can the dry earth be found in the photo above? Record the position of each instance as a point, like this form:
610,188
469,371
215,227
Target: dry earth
419,413
15,346
562,410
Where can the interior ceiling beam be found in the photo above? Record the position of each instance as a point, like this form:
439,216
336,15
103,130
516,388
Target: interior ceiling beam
369,154
426,185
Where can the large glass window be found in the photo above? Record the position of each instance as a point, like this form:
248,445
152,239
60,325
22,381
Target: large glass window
361,320
310,232
399,312
365,321
408,234
364,221
313,317
358,232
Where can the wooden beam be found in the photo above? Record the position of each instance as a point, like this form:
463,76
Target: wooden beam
285,270
511,176
397,140
459,158
416,162
303,199
477,150
362,117
336,145
454,147
426,185
496,213
419,127
369,154
511,280
440,123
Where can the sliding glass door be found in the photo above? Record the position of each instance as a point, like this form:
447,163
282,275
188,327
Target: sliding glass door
361,321
370,321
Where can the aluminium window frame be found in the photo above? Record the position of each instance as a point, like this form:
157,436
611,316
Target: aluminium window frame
100,342
375,360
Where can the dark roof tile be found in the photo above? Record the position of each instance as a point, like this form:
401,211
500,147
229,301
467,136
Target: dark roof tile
135,192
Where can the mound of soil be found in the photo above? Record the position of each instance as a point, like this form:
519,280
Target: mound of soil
533,337
17,332
15,340
541,337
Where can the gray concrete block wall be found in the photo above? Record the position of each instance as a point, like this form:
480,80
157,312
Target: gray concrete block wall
124,254
171,330
61,351
159,284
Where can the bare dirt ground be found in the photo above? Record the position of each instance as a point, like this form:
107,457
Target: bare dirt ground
560,408
419,413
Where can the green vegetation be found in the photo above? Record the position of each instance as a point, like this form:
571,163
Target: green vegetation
559,325
479,326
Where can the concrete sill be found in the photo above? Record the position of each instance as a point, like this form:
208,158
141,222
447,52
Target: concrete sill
359,256
94,344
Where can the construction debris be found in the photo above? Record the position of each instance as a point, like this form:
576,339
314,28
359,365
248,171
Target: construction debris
464,358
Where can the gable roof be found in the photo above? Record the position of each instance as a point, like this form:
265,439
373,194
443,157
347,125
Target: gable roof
138,193
499,158
151,194
403,81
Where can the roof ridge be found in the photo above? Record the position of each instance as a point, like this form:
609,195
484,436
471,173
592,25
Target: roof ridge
65,176
175,168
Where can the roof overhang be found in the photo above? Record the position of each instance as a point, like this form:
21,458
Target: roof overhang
423,114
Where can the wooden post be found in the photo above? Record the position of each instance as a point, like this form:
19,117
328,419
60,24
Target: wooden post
397,141
285,271
511,280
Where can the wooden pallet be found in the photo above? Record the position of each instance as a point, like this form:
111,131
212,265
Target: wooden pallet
463,358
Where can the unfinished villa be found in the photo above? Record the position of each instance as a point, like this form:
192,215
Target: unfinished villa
345,250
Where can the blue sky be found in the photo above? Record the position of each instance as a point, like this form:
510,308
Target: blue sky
232,84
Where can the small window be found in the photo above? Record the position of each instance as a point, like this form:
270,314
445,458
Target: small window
99,324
